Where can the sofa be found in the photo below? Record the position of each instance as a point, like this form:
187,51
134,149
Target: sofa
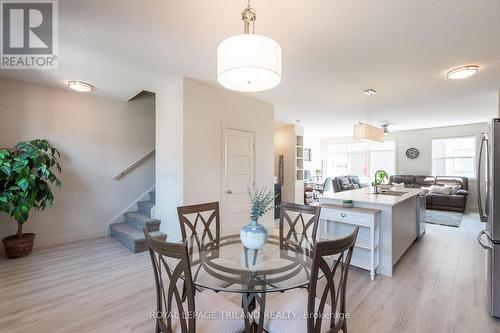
346,183
455,202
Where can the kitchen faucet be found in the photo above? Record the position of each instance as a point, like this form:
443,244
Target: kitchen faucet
376,184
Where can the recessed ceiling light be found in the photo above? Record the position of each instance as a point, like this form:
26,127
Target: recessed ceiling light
462,72
80,86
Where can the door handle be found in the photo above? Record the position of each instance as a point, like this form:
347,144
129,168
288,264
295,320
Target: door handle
229,192
482,213
479,240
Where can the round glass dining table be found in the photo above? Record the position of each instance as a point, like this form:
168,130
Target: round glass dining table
221,263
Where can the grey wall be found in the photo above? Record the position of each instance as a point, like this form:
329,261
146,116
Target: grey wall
98,137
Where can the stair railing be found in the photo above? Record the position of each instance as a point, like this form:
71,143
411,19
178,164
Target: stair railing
134,165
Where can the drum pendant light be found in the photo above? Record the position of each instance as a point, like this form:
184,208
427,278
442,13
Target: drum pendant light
249,62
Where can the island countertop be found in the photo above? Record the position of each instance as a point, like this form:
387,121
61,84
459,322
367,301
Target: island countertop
366,195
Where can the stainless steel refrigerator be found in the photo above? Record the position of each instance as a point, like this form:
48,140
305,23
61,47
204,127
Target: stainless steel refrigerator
489,209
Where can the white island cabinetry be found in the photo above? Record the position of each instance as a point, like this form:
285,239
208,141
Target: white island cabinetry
395,224
337,220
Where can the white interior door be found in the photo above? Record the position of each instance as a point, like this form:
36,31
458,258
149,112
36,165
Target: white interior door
239,175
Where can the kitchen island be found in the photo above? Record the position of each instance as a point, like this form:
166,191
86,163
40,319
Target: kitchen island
396,225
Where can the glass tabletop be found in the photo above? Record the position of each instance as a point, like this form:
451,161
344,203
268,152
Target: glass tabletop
224,264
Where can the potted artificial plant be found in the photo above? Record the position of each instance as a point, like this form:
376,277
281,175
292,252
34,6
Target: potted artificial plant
26,174
318,173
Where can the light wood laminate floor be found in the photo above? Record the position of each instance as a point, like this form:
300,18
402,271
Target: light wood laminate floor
99,286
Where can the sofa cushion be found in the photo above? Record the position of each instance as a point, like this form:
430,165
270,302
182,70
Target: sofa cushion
422,181
348,187
456,181
398,185
436,189
407,179
344,181
444,200
462,192
355,180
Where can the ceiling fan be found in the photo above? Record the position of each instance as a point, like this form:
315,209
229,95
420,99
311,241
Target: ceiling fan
386,126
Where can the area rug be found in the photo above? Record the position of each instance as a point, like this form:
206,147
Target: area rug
449,219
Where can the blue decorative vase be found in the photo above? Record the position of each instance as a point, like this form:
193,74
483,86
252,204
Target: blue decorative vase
254,235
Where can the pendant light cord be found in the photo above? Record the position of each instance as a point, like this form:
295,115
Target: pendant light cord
249,16
368,110
371,109
369,105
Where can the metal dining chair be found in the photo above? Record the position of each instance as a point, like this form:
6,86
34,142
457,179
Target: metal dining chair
172,273
326,314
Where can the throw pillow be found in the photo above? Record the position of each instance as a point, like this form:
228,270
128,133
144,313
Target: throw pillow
398,185
441,189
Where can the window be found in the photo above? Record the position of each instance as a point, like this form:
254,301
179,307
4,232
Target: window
454,156
361,159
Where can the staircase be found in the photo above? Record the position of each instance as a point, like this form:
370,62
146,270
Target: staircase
130,233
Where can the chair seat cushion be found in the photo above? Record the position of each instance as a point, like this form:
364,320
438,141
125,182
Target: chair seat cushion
286,313
214,314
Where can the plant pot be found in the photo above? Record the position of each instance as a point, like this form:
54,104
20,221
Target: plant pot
16,247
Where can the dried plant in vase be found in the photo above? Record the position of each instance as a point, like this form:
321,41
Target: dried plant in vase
254,235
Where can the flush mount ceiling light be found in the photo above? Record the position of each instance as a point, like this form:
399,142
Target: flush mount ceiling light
80,86
249,62
462,72
366,131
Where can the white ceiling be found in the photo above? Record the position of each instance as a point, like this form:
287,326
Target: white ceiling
332,51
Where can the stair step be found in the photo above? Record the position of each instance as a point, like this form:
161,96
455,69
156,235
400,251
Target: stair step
138,220
152,196
133,238
145,207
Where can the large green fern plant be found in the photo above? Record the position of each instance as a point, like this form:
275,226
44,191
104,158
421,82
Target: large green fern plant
27,172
